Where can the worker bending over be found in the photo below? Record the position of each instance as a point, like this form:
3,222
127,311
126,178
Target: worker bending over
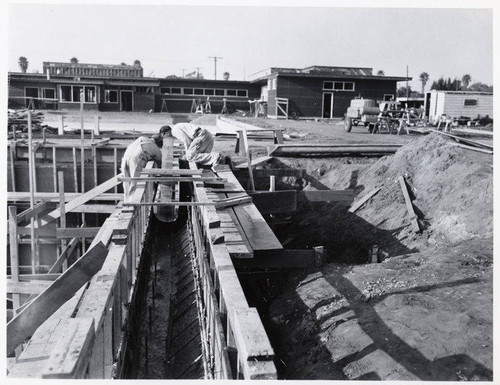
197,141
137,155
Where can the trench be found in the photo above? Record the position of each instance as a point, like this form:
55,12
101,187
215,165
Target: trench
169,345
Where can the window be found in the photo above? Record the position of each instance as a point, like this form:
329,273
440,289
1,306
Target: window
209,92
198,91
188,91
74,94
176,91
349,86
328,85
470,102
231,92
164,90
48,93
219,92
65,93
338,86
242,93
111,96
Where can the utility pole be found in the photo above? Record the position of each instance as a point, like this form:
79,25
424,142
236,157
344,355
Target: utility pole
215,64
183,72
198,71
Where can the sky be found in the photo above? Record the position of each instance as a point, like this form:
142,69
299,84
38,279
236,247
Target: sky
175,39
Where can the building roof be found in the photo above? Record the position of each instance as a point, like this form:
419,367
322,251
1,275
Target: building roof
88,65
323,71
463,92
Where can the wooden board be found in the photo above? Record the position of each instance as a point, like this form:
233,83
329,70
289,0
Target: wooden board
255,162
363,200
409,205
326,196
54,197
83,198
257,231
165,191
24,324
305,149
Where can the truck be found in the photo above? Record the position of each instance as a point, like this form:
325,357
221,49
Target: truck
366,111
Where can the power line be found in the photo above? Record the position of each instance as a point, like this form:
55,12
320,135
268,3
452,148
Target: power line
215,64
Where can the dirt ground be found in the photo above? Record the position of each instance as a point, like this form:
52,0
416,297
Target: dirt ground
425,312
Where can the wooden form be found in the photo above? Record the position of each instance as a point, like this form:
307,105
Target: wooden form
409,205
255,162
363,200
253,352
166,190
106,300
54,197
305,149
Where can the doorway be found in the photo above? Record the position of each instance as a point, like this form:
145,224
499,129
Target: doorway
327,105
31,94
126,100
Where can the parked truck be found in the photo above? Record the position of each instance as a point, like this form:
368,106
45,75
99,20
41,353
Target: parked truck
366,111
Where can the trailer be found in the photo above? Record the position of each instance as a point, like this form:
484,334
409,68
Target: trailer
457,104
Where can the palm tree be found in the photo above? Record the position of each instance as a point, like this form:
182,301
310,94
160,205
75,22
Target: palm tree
23,64
226,75
380,73
73,60
424,78
466,80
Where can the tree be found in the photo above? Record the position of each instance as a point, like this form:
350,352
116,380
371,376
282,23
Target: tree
380,73
226,75
73,60
123,63
401,93
137,63
480,87
446,84
173,77
23,64
424,78
466,80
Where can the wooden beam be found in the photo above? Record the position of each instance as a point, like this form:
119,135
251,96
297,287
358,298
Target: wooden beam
409,205
54,197
363,200
251,341
95,209
32,287
255,162
77,232
172,179
24,324
305,149
326,196
267,172
31,212
275,202
14,254
69,359
68,250
490,152
234,201
83,198
36,277
165,191
172,172
466,141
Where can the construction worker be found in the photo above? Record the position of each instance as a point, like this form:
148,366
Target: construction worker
197,141
137,154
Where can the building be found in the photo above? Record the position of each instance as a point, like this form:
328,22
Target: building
456,104
320,91
312,92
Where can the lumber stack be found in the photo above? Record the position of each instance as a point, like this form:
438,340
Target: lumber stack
306,149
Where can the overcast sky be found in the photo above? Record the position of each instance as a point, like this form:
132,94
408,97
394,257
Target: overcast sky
168,39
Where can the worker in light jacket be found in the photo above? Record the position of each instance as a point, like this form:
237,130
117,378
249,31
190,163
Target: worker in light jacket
197,141
137,155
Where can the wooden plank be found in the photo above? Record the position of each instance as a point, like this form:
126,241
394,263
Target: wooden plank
490,152
285,259
250,338
24,324
68,249
54,168
54,197
12,169
230,202
170,179
69,358
171,172
363,200
32,287
409,205
326,196
466,141
471,131
165,191
14,254
75,171
277,172
77,232
332,150
255,162
95,209
31,212
36,277
256,230
83,198
275,202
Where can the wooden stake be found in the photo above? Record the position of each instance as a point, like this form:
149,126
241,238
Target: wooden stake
75,171
12,168
62,204
34,254
272,183
54,168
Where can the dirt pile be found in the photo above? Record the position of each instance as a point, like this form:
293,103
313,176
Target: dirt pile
453,190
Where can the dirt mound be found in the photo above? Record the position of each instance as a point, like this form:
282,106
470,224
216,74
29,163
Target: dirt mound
452,187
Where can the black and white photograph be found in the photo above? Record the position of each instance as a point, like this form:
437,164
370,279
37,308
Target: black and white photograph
254,190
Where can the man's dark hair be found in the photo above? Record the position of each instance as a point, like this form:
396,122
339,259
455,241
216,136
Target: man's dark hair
164,129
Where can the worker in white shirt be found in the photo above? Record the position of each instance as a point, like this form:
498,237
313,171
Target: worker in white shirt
136,156
197,141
